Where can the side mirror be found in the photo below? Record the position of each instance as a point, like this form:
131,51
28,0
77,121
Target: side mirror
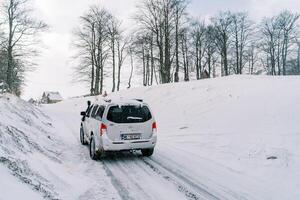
83,114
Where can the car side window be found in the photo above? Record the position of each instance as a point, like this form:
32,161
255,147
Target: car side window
100,111
93,115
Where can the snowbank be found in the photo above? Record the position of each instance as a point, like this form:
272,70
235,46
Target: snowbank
35,160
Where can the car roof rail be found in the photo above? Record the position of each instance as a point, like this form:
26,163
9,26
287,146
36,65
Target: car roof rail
139,100
107,100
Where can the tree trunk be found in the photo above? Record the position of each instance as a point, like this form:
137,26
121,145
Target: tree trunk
298,60
120,60
92,75
131,71
176,75
197,60
9,75
114,62
152,61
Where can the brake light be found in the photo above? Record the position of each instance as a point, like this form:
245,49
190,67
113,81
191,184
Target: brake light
154,127
103,129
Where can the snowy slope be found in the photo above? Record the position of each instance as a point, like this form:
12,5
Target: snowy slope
219,134
222,131
37,163
215,138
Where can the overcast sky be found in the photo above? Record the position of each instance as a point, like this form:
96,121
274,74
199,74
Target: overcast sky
54,70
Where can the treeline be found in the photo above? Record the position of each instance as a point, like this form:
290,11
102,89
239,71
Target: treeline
19,36
177,45
169,45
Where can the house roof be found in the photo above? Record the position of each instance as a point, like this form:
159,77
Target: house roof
54,96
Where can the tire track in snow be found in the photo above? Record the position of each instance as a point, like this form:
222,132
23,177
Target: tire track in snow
121,189
134,182
184,184
113,166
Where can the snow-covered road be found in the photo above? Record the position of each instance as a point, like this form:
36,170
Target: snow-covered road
131,175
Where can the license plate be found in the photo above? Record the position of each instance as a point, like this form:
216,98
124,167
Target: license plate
131,136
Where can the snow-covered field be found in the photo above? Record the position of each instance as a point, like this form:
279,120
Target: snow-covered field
228,138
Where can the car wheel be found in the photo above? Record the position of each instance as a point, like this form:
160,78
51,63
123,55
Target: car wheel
82,140
147,152
93,153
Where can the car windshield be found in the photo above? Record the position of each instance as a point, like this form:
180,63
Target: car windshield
129,114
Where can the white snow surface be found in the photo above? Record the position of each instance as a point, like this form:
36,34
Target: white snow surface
214,140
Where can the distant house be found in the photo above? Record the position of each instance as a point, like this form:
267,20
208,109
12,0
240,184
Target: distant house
32,101
51,97
205,74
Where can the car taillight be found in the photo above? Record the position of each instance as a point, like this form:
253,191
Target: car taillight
154,127
103,129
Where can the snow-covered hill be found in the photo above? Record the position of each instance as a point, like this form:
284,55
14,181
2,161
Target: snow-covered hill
227,131
227,138
37,163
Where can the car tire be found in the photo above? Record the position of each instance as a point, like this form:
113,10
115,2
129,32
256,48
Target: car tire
147,152
82,140
93,153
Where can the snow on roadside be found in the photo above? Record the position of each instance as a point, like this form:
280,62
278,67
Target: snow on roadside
33,154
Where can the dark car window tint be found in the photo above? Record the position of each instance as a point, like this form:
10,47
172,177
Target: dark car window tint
88,110
94,111
129,114
100,111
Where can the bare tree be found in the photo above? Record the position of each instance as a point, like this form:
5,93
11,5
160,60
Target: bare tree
122,45
131,54
114,34
242,31
211,49
85,42
287,22
279,35
3,61
198,34
252,54
21,37
223,26
184,40
102,17
180,8
161,18
270,37
93,42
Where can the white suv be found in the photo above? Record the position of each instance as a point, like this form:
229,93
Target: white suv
118,126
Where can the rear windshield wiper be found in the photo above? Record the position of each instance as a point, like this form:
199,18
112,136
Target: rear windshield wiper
135,118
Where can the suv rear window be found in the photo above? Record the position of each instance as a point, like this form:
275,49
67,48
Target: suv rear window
129,114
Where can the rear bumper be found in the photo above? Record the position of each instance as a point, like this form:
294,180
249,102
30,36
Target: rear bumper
107,145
